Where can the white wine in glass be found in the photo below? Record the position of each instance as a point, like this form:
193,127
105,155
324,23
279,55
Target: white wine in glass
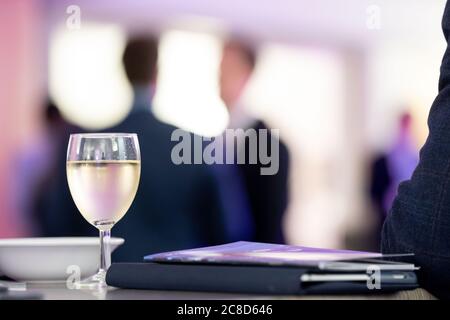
103,171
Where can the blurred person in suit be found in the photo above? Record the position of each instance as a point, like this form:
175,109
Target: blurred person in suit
34,167
254,203
176,206
389,169
402,157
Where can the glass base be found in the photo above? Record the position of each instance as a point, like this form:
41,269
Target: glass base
97,281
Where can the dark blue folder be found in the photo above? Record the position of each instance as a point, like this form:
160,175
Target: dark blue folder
244,279
263,268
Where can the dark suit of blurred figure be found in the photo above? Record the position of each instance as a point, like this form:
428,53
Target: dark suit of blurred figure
175,206
391,168
263,198
35,165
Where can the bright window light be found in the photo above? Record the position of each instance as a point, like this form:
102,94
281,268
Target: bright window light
301,92
300,89
86,76
187,94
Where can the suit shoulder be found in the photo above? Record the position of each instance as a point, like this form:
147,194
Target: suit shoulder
284,151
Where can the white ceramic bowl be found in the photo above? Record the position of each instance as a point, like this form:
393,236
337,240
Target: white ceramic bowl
50,259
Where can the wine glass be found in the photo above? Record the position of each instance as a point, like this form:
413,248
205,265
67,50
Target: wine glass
103,171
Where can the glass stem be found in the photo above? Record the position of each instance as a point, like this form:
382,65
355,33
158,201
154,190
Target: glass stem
105,251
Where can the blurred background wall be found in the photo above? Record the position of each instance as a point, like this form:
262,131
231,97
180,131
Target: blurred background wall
333,76
22,81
